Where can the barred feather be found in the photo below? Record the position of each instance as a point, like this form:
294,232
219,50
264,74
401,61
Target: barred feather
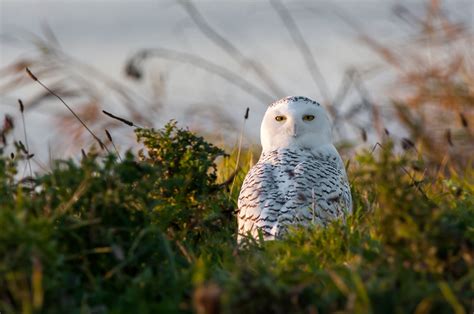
293,187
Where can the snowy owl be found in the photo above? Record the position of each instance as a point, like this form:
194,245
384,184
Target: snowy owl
299,179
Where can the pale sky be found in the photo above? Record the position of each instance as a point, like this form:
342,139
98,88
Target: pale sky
105,33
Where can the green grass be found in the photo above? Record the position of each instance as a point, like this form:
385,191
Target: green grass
155,233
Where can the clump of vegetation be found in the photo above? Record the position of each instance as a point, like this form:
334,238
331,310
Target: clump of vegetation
108,236
155,232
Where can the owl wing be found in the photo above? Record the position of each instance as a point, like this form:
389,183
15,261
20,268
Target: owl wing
259,201
321,185
293,187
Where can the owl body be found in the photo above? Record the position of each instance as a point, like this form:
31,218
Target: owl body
299,179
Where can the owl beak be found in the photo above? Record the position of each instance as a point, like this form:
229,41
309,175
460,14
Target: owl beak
293,130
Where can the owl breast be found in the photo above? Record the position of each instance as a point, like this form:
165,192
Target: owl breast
292,187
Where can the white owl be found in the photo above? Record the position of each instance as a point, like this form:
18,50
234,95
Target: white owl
299,179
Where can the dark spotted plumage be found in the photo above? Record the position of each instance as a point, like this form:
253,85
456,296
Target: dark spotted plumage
293,186
294,99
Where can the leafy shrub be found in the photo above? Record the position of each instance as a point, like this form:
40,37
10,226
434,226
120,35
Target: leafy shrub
103,228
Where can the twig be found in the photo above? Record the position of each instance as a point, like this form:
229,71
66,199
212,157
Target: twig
368,104
127,122
185,252
60,61
239,149
306,53
113,144
344,88
69,108
64,207
230,179
114,84
388,55
415,183
22,109
375,146
40,164
229,48
208,66
340,96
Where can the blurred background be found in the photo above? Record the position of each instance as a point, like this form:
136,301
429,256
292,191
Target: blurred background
383,69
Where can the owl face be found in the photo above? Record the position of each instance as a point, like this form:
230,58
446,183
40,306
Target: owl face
297,122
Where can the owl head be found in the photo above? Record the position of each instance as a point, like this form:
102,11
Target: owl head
297,122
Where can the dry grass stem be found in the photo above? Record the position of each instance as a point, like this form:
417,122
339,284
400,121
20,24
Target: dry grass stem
230,48
113,144
305,51
69,108
22,109
239,149
127,122
208,66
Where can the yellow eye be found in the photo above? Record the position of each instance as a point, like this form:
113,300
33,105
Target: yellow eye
280,118
308,117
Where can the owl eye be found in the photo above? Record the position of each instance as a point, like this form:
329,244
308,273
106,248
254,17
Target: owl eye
280,118
308,117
